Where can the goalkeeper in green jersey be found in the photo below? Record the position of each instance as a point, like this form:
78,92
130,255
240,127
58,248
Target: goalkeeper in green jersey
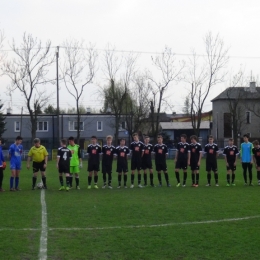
75,162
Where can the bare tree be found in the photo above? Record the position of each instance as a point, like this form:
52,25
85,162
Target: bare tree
253,106
236,96
203,78
27,70
2,53
119,72
138,106
170,71
186,109
78,72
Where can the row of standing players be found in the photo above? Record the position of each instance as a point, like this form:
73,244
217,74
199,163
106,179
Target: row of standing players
69,161
186,155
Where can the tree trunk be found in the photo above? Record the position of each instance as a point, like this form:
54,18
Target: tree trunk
117,118
33,126
78,123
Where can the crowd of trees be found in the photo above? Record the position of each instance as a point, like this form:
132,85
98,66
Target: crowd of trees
129,93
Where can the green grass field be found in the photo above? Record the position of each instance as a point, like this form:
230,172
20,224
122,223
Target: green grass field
149,223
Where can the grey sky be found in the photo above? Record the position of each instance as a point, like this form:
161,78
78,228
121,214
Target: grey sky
139,26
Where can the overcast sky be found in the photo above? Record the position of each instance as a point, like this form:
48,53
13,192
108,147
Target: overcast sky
143,25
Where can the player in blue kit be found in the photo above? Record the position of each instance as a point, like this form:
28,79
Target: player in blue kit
246,154
15,155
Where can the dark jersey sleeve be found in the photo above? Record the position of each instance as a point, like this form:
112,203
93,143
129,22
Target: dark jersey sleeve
59,153
199,148
127,151
178,147
166,149
132,146
216,148
254,151
99,150
225,151
206,149
88,150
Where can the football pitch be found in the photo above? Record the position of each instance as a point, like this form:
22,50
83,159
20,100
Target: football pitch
150,223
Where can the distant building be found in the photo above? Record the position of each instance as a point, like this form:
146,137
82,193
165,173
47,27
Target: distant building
100,125
175,129
207,116
247,100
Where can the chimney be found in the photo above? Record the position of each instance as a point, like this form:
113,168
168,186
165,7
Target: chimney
252,85
88,110
108,110
9,111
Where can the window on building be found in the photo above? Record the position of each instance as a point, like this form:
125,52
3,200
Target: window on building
42,126
73,126
248,117
227,125
99,126
17,126
123,125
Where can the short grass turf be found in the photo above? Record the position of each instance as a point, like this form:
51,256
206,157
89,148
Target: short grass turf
130,223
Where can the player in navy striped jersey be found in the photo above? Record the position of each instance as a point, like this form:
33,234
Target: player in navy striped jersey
231,153
147,160
63,164
211,149
256,152
93,151
108,152
161,152
137,151
122,152
195,159
181,160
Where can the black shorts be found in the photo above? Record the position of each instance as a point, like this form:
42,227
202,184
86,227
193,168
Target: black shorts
194,166
106,168
147,164
136,165
122,168
258,163
181,164
38,166
64,168
161,166
211,166
231,166
93,166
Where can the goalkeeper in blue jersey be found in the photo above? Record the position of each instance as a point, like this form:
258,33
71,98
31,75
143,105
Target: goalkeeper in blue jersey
246,154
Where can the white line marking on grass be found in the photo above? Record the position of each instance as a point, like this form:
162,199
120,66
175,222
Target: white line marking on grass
20,229
127,227
44,229
159,225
